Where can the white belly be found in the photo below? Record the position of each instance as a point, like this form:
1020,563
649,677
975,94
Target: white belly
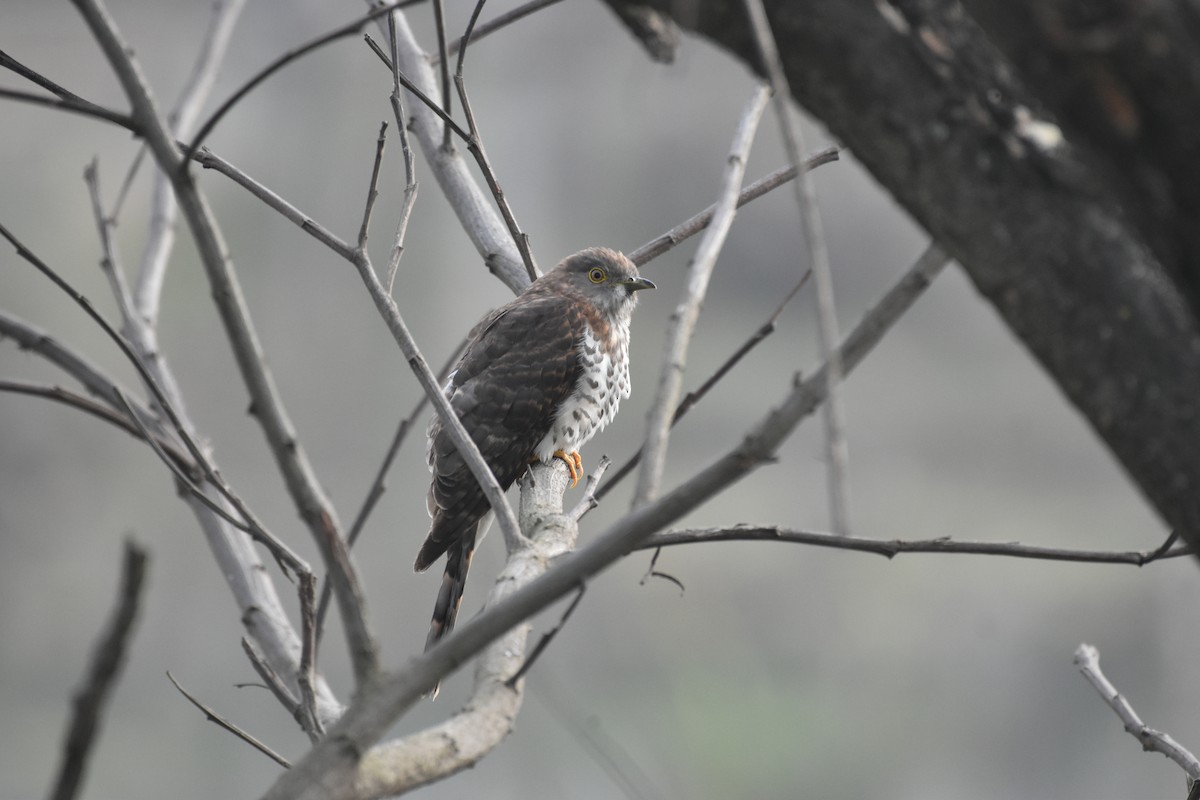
601,387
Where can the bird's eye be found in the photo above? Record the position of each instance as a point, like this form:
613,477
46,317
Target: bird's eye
596,275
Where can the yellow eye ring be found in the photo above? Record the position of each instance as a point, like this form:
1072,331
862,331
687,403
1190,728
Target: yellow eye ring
596,275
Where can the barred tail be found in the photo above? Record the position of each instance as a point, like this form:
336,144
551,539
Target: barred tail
454,581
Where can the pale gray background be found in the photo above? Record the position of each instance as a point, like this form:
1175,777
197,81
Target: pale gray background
783,670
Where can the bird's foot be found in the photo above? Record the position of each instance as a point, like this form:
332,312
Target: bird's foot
574,464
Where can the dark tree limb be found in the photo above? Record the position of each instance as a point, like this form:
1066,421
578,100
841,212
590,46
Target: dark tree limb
944,121
107,661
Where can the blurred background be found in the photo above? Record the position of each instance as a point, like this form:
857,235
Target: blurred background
781,670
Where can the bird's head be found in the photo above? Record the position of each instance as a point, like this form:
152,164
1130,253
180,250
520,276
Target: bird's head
605,277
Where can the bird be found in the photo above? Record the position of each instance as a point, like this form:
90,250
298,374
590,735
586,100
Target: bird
538,378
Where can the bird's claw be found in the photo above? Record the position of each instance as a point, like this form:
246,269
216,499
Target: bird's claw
574,464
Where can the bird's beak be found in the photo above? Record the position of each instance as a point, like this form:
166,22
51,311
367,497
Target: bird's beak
637,284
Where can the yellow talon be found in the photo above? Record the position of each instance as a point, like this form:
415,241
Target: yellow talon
574,464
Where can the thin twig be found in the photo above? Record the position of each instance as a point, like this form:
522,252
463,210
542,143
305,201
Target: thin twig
164,210
83,107
889,548
98,410
210,160
426,101
282,61
503,20
33,76
439,22
453,426
683,320
213,716
127,183
590,499
379,484
110,265
275,684
373,191
306,677
140,342
107,660
306,492
410,182
606,750
547,638
85,304
814,235
1087,659
475,147
488,232
695,396
690,227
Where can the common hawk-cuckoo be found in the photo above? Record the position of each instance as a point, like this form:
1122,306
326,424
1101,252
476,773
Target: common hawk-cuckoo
539,377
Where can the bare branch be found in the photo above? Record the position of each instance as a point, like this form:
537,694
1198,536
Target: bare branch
373,187
426,99
139,332
210,160
308,658
590,499
282,61
110,265
302,483
164,210
98,410
439,22
213,716
277,685
379,485
683,319
31,338
236,559
690,227
390,312
83,107
1087,659
107,660
501,21
475,146
814,235
890,548
547,638
489,713
694,397
410,183
471,204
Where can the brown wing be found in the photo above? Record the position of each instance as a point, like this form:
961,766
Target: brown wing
506,389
